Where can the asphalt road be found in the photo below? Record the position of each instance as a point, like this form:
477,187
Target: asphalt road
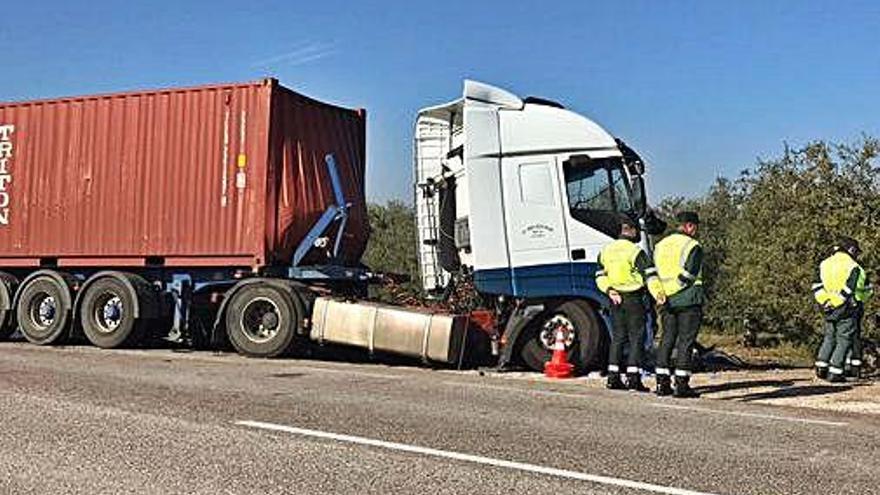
84,420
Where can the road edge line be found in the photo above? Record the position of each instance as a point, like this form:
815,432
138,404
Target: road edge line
471,458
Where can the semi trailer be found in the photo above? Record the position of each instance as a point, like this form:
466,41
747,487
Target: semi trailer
237,213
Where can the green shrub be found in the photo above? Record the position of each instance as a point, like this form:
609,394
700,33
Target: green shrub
766,232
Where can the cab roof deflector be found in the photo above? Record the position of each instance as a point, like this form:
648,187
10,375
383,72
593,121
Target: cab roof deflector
474,90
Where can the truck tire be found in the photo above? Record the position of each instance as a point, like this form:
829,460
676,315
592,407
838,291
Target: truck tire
44,310
586,342
107,313
262,319
8,285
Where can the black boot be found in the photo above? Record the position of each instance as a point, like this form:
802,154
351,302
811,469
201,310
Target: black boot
836,378
634,383
821,372
855,372
614,382
683,388
664,385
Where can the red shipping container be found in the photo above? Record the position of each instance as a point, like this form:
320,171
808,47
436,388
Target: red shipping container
221,175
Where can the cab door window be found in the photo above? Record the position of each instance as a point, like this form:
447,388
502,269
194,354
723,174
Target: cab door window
598,192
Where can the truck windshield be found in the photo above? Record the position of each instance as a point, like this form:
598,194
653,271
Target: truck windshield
598,191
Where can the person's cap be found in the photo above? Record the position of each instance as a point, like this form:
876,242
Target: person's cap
848,244
688,217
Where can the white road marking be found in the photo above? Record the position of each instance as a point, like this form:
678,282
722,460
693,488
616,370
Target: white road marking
476,459
750,415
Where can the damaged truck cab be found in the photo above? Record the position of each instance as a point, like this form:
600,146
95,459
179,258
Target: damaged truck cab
517,197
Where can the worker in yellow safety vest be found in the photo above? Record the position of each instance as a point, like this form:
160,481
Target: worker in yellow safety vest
679,261
624,272
841,292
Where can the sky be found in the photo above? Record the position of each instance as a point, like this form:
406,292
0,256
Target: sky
700,88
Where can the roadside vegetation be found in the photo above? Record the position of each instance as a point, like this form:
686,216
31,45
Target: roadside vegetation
766,231
392,247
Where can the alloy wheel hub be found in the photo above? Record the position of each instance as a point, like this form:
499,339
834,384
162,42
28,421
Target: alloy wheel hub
551,326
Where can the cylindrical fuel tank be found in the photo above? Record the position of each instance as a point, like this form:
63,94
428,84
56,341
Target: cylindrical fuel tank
380,328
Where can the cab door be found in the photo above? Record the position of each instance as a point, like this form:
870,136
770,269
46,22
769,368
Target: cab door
595,192
536,230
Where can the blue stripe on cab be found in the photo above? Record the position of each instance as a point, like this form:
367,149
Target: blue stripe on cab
552,280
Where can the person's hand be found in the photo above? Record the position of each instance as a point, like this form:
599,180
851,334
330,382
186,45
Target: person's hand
615,297
661,299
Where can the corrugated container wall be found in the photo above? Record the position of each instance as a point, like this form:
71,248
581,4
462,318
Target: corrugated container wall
225,175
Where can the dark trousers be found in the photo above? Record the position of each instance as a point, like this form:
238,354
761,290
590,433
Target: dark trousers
855,355
680,328
628,328
841,328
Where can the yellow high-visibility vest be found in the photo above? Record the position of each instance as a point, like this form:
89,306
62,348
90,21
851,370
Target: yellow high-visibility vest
834,272
670,256
619,270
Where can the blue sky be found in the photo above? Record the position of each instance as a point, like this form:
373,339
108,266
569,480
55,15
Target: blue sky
700,88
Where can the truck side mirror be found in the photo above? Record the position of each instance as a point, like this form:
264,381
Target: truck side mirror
654,225
636,167
640,200
634,163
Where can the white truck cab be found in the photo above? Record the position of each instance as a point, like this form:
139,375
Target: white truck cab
521,191
520,194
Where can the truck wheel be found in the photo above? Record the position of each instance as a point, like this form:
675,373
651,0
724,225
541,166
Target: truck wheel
8,284
586,341
43,310
107,313
261,320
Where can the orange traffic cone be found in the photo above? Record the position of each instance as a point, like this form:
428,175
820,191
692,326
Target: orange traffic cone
558,366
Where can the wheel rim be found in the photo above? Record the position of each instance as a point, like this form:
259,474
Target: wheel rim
261,320
109,312
43,310
547,335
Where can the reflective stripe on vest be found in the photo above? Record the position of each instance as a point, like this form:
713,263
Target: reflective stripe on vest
670,256
619,261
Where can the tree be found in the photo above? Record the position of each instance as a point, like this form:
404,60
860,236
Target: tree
766,232
393,242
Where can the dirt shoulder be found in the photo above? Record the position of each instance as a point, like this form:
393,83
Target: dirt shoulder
790,387
777,387
782,375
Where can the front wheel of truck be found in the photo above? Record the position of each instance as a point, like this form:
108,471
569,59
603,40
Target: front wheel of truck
586,341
